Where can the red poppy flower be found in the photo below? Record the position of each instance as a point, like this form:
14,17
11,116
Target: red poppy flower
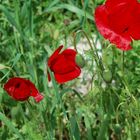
63,65
21,89
119,22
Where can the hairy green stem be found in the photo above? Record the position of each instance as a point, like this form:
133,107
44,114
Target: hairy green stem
123,57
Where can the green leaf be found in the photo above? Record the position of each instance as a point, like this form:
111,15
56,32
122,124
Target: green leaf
75,129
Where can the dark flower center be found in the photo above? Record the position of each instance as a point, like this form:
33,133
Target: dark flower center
125,29
17,85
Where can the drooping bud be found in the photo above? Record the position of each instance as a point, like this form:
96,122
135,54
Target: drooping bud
117,128
80,61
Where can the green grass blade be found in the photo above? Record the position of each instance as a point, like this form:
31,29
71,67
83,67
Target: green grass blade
75,129
103,129
16,59
10,125
88,127
71,8
9,17
54,2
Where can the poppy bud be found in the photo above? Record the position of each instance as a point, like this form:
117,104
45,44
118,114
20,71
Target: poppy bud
107,75
80,61
117,128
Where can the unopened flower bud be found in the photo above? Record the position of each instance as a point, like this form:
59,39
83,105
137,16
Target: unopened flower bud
117,128
107,75
80,61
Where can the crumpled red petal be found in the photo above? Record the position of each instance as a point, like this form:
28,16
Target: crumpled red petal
21,89
34,92
62,78
14,86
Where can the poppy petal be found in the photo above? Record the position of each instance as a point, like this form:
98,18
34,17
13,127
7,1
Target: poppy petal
69,54
34,92
17,88
134,31
63,65
54,55
22,92
101,19
62,78
111,4
117,22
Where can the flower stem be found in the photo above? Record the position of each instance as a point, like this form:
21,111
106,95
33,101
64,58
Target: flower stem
95,52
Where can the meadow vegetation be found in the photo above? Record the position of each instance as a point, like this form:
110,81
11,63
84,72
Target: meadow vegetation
30,31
